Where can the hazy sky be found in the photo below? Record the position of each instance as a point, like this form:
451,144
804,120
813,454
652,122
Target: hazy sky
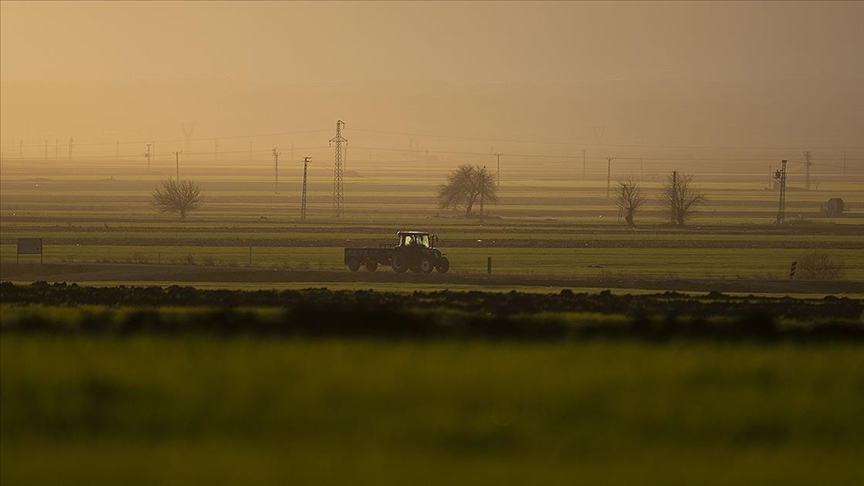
458,42
706,73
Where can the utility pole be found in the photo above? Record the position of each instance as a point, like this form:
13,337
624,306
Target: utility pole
21,148
56,148
674,196
276,173
70,148
303,194
147,155
583,164
498,175
338,197
641,168
482,192
608,175
46,148
177,161
117,150
215,149
807,165
780,175
844,163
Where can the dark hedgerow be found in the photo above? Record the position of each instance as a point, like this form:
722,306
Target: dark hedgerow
320,313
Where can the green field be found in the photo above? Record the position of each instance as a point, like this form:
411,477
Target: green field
550,219
213,411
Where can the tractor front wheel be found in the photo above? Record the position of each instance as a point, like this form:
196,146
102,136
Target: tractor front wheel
426,265
443,265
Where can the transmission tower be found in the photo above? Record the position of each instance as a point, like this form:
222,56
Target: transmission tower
276,154
780,175
147,155
303,194
187,134
338,197
807,165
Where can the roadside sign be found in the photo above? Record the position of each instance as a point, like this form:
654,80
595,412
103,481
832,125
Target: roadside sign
29,246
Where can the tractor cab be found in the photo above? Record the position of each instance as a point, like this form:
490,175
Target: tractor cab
416,239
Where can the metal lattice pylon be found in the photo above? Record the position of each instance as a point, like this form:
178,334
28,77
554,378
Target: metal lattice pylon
338,197
780,175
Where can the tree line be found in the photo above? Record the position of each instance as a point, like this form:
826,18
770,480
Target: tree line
679,195
469,185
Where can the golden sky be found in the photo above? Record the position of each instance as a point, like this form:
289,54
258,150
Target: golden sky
458,42
716,73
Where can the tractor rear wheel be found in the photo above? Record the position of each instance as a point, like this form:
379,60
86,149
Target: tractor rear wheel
399,262
443,265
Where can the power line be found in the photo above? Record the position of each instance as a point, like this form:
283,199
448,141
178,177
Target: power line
178,140
552,142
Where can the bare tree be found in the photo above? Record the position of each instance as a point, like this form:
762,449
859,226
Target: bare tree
681,197
630,199
177,197
465,185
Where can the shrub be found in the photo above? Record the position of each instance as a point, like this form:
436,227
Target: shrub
818,264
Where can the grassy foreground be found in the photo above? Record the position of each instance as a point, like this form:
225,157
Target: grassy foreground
207,410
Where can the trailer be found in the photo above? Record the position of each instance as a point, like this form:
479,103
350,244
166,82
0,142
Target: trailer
416,252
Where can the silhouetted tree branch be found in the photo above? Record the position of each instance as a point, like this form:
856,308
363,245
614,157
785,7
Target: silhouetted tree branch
681,197
177,197
630,199
465,185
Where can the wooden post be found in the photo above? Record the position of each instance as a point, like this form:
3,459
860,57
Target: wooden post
489,265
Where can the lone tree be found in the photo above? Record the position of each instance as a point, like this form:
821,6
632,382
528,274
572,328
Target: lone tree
464,186
681,197
177,197
630,199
